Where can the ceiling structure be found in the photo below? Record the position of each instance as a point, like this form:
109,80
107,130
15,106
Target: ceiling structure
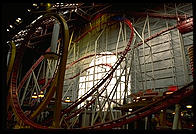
76,14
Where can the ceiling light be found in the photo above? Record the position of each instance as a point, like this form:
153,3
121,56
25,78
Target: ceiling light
11,26
29,10
8,30
18,20
188,106
34,96
66,12
168,92
34,4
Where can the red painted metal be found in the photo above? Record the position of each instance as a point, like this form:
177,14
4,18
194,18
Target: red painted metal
154,107
13,86
185,26
159,15
172,88
26,120
108,75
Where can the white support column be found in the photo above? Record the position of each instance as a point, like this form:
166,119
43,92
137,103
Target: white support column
55,36
176,117
146,123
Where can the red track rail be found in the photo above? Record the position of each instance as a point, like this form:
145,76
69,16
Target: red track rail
110,72
108,75
154,107
13,86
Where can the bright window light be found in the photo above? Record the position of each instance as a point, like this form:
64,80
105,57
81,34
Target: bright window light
94,74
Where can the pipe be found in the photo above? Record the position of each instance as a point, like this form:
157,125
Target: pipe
159,15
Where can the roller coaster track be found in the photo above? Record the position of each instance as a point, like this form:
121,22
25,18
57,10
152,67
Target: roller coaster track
154,107
108,74
13,89
120,122
15,103
101,82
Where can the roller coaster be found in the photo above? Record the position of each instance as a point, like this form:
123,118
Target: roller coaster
50,69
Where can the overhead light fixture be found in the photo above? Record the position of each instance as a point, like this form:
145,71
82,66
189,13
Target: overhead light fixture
169,92
189,106
34,4
18,20
11,26
29,10
41,95
67,99
34,96
8,30
65,12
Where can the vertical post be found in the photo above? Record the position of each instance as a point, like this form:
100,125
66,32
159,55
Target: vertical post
163,118
137,50
61,73
186,77
151,56
171,51
176,117
146,123
55,35
144,56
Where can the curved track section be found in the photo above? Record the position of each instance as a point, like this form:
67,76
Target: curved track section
13,86
111,124
107,76
154,107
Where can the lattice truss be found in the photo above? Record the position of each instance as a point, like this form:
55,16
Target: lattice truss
154,65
